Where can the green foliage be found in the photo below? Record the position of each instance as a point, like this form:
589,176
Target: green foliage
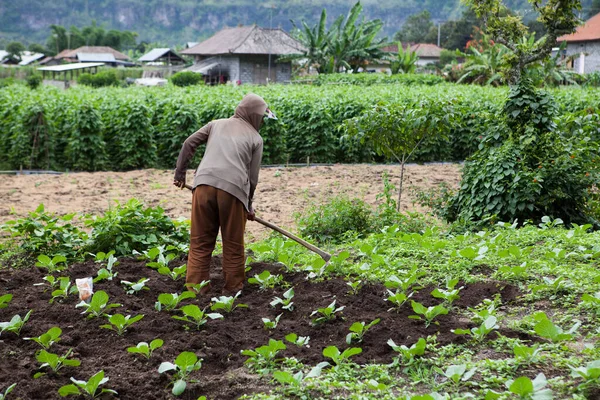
326,314
135,287
264,356
120,323
359,329
98,306
52,264
416,28
33,81
187,78
185,363
56,362
590,374
268,324
146,349
63,290
450,293
377,79
196,317
170,301
525,388
100,79
479,333
46,340
547,329
266,280
226,303
3,396
338,357
408,354
86,148
15,324
4,300
297,340
405,61
427,313
89,387
286,302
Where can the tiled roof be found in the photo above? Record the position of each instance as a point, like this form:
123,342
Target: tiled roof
588,32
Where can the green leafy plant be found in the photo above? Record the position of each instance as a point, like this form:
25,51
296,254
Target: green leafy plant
197,288
46,340
135,287
54,264
175,273
590,374
146,349
56,362
479,333
89,387
286,302
450,294
4,300
170,301
186,78
107,272
226,303
299,341
397,298
355,286
527,354
268,324
4,396
15,324
98,306
458,373
406,281
326,314
525,388
193,315
185,363
408,354
427,313
359,329
556,285
338,357
64,289
264,356
265,280
591,301
546,329
120,323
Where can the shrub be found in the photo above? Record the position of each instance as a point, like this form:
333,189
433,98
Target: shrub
335,220
186,78
33,81
366,79
101,79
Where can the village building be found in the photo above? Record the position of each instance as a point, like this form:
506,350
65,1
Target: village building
27,58
247,54
103,54
583,46
161,56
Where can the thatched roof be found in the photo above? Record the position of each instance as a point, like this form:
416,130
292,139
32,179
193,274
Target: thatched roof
588,32
248,40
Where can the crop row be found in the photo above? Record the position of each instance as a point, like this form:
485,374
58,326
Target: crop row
129,128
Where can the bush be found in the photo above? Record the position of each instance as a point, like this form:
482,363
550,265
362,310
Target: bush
366,79
101,79
187,78
33,81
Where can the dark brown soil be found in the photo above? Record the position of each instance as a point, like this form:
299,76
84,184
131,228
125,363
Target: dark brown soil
223,375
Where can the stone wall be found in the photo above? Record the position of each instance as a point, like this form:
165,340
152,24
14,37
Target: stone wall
592,56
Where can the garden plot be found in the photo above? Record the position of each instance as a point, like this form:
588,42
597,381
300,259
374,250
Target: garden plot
219,342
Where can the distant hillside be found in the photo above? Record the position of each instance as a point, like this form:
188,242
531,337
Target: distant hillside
174,22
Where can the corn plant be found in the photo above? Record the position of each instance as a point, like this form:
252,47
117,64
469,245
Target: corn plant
54,264
135,287
479,333
590,374
264,356
4,300
427,313
450,293
226,303
358,330
525,388
55,362
99,306
286,302
546,329
265,280
3,396
526,354
170,301
397,298
15,324
408,354
338,357
185,363
268,324
64,289
106,273
326,314
89,387
146,349
46,340
193,315
120,323
355,286
299,341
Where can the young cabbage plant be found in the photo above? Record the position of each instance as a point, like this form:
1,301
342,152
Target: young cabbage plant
98,306
46,340
479,333
193,315
525,388
590,374
4,300
175,274
55,362
408,354
450,294
226,303
295,381
338,357
355,286
557,285
427,313
397,298
526,354
170,301
299,341
358,330
120,323
265,280
590,301
264,356
146,349
64,289
135,287
326,314
546,329
51,282
107,272
3,396
15,324
159,258
268,324
185,363
197,288
457,374
89,387
406,281
487,308
286,302
55,264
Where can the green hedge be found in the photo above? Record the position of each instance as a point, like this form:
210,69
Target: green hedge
127,128
368,79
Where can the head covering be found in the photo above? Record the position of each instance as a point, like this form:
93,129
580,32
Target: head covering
252,110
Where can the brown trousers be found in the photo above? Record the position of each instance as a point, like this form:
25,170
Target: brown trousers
213,208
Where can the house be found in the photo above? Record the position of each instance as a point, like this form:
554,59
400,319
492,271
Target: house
247,54
584,46
103,54
27,58
163,56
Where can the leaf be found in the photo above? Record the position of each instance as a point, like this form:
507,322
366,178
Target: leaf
546,329
186,359
331,352
521,386
283,377
166,366
156,343
179,387
68,390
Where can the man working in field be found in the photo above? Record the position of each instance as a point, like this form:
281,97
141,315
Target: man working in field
223,189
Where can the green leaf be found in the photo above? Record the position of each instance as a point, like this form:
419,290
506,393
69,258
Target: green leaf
179,387
186,359
68,390
521,386
331,352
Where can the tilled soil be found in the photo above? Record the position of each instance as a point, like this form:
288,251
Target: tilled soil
223,375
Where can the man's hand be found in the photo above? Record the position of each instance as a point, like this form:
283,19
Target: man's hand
179,184
250,216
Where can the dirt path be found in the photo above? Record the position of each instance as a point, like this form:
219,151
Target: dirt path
280,193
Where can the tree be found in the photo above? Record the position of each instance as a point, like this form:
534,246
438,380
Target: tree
456,34
416,28
37,48
405,62
316,39
14,50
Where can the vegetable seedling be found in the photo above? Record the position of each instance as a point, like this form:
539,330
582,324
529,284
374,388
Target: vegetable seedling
286,302
175,274
397,299
355,287
590,374
298,340
546,329
450,294
98,306
479,333
193,315
197,287
265,280
54,264
185,363
170,301
64,289
408,353
340,357
226,303
46,340
146,349
358,330
327,314
457,374
427,313
15,324
135,287
120,323
4,300
3,396
526,354
55,362
89,387
264,356
107,272
525,388
268,324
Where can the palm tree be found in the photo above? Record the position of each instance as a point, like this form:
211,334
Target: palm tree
405,62
316,39
483,66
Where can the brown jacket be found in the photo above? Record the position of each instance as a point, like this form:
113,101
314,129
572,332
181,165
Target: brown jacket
233,153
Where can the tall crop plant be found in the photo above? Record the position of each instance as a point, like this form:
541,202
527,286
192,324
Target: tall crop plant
86,150
31,138
178,121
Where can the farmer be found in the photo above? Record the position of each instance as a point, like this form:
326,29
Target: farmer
223,189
